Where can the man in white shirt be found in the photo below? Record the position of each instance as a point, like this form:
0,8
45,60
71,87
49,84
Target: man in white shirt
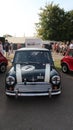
71,45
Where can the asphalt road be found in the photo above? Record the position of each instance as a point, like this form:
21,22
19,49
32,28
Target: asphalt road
38,113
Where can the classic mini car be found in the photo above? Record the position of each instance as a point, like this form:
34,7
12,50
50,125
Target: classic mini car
3,63
67,61
32,74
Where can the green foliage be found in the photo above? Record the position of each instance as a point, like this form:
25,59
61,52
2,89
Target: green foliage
55,23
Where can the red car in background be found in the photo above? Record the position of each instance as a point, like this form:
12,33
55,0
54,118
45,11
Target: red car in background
67,61
3,63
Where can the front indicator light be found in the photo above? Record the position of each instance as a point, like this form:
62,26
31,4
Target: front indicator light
55,87
11,88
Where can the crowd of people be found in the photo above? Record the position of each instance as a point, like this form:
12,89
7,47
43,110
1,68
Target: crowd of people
61,47
58,47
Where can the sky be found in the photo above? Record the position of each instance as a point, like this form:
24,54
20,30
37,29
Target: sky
18,17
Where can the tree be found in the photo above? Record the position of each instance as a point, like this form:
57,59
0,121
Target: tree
55,23
69,25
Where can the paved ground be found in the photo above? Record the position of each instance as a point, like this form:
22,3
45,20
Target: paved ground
38,113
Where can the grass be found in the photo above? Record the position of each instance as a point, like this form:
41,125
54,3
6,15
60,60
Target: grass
57,64
57,58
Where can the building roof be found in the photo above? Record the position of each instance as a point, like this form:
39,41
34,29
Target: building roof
16,40
32,40
20,40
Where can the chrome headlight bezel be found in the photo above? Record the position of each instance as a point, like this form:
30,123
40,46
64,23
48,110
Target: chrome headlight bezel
56,79
10,80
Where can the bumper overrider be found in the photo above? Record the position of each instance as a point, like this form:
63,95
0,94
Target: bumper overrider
33,88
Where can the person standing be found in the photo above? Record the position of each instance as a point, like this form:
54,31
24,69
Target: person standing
71,45
7,46
1,47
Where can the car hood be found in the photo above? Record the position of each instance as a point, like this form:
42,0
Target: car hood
32,72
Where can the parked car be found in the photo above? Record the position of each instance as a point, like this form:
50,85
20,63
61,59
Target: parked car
67,61
3,63
32,74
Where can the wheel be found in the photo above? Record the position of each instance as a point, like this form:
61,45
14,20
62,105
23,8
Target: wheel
3,68
64,68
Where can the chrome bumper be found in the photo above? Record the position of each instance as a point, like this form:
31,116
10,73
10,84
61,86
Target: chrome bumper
33,89
32,94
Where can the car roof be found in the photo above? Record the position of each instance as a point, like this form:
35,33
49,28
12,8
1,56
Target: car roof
26,49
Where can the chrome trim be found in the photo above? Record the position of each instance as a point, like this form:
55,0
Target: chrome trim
33,94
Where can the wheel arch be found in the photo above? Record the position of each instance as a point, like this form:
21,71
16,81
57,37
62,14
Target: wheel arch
3,63
1,69
67,66
65,63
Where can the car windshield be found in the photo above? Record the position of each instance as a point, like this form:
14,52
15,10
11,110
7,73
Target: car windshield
32,57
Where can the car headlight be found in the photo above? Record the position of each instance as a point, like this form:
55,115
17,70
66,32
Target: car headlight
56,79
10,80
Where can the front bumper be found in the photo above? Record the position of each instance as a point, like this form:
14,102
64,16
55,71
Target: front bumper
33,89
32,94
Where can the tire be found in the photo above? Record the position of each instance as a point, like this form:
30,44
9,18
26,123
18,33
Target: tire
64,68
3,68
